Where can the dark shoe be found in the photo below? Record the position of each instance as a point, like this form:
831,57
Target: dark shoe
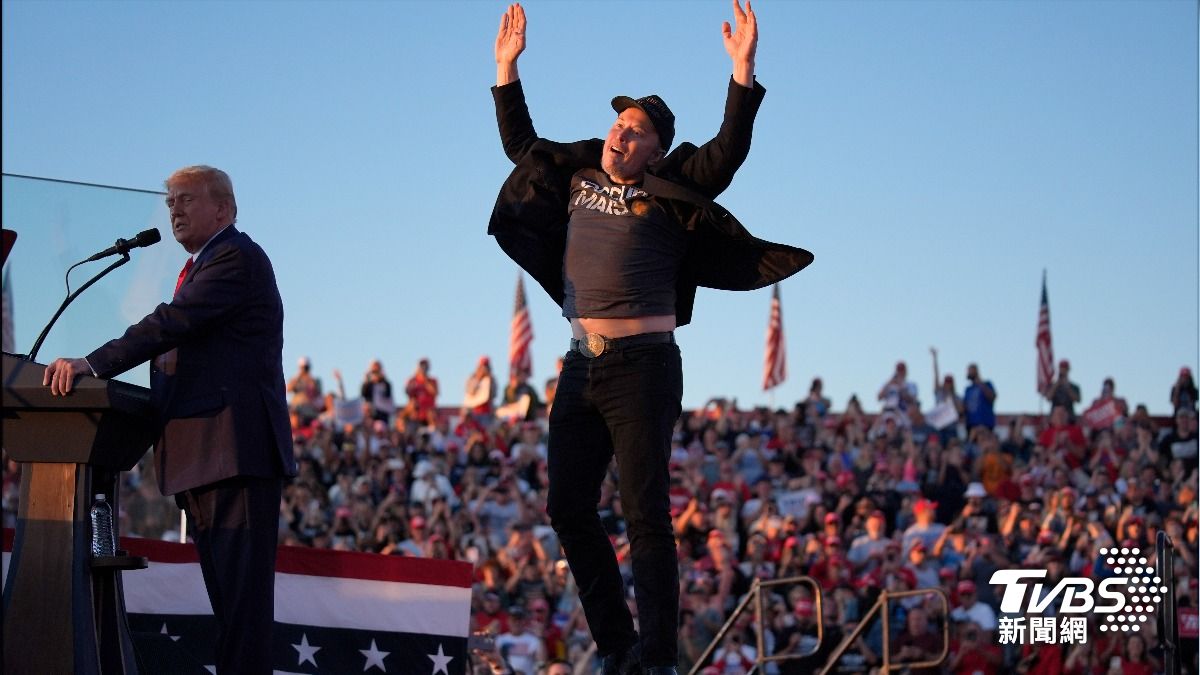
628,662
662,670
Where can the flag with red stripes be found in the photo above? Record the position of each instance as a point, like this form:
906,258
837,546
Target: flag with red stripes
1045,350
520,362
335,611
775,363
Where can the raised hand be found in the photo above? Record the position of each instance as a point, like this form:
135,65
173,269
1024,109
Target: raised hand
741,41
510,42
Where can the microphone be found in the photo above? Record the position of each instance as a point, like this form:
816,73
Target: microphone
122,246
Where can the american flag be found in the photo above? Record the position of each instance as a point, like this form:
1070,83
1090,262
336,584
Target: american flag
335,611
520,363
775,363
1045,350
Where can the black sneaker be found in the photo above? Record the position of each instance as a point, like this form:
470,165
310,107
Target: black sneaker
627,662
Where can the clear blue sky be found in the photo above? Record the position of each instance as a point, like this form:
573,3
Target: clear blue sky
935,156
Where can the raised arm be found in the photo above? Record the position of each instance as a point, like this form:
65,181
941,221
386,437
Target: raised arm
741,41
510,42
512,115
710,168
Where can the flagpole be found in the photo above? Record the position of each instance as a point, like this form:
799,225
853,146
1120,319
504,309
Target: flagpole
1041,399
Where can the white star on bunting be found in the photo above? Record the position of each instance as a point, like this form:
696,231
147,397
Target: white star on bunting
306,652
174,638
374,657
440,661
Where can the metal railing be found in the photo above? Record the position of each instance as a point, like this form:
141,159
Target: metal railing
755,598
881,604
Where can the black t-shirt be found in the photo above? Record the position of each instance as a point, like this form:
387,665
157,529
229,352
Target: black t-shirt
623,251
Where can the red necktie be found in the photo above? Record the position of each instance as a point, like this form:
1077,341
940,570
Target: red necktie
187,267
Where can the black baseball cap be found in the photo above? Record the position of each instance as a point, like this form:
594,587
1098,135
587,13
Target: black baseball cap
656,109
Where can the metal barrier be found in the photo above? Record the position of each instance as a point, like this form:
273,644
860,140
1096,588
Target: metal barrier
755,596
882,604
1168,621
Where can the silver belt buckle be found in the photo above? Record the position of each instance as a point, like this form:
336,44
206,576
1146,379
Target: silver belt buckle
592,345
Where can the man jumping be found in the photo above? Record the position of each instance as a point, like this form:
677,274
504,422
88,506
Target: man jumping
620,233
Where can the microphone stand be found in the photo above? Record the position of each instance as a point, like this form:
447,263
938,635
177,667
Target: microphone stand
42,338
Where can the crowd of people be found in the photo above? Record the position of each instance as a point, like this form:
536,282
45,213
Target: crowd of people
898,500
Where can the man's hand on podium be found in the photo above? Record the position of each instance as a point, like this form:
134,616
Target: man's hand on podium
60,374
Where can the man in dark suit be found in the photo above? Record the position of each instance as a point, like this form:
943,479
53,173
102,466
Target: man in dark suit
217,381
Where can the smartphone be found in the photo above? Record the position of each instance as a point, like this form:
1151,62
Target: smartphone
481,641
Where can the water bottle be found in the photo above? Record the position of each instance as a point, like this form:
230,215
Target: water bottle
104,541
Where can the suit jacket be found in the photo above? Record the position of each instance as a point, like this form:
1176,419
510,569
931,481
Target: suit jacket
221,395
530,217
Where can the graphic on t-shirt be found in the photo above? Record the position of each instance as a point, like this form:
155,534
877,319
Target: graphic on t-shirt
614,199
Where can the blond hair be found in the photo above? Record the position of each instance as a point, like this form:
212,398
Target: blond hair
217,182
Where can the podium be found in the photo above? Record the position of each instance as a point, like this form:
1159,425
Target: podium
64,610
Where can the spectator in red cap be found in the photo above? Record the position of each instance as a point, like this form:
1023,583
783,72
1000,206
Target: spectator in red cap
1062,391
970,609
833,525
1183,392
414,545
921,564
924,528
830,567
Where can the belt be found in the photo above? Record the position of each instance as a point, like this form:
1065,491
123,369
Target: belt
595,344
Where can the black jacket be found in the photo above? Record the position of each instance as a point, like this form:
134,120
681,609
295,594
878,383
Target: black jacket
529,220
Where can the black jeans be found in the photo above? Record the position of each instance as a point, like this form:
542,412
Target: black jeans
624,403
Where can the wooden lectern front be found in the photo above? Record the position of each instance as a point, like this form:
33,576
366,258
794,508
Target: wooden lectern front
64,610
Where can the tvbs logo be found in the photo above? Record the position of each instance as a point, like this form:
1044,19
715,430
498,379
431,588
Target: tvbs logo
1127,598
